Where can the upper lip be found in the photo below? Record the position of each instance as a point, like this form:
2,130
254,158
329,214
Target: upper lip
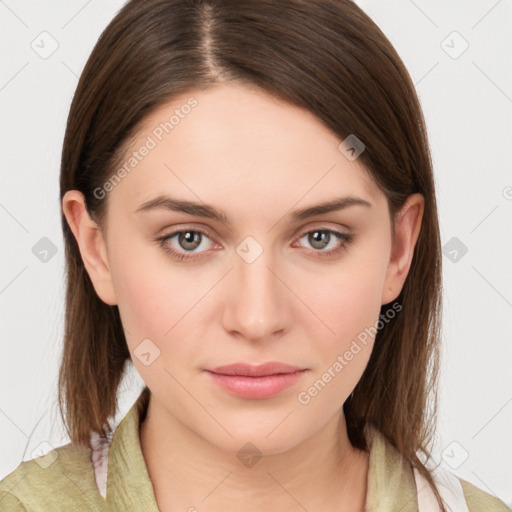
251,370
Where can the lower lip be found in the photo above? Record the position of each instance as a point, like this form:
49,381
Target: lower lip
256,387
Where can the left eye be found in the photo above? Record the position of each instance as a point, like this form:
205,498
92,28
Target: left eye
321,238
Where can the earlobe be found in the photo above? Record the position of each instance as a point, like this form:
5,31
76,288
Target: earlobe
407,230
91,243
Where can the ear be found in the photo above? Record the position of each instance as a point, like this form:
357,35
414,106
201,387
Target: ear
407,230
91,243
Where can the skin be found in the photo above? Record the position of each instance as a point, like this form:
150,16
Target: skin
257,158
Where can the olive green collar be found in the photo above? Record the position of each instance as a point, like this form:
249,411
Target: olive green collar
391,486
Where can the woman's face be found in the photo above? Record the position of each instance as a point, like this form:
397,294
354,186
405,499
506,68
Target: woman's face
250,280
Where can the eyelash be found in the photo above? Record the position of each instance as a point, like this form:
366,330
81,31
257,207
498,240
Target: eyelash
344,237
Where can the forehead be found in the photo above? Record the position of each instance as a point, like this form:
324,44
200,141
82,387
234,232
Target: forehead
236,144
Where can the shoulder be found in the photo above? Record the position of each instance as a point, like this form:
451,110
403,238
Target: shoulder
480,501
457,494
391,478
63,479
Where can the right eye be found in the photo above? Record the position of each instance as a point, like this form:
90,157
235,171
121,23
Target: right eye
187,243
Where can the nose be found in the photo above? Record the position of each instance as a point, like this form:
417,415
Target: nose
257,305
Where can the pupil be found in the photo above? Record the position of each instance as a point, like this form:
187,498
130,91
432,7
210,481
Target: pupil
317,239
189,237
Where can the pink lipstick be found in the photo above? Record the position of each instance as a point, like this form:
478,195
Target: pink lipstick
255,381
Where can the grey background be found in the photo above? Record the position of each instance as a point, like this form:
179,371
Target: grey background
466,94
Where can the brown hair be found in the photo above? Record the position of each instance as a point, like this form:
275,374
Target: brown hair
326,56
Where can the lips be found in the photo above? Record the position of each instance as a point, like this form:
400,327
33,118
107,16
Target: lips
248,370
255,382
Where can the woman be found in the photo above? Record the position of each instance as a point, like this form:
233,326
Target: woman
249,213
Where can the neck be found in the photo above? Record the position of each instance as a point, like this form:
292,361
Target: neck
323,473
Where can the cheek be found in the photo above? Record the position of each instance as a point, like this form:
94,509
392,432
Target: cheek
152,295
154,318
347,299
350,307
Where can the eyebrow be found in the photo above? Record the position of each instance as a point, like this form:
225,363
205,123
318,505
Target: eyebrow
209,212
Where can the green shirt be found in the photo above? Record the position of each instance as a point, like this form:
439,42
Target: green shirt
64,479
